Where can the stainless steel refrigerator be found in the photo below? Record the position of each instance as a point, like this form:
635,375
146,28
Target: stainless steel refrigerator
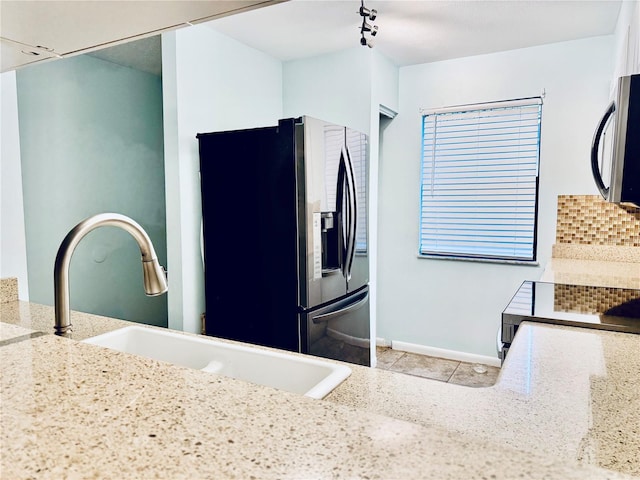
286,239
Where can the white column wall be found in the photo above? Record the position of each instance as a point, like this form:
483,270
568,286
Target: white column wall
211,83
13,248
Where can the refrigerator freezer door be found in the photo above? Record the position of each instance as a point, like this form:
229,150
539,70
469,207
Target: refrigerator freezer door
319,146
359,153
340,330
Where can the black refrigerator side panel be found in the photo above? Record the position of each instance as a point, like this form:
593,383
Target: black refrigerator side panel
250,239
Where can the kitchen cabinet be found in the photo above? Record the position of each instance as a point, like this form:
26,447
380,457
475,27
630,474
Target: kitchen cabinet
35,31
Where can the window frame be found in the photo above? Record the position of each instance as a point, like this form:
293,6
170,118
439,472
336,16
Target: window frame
484,256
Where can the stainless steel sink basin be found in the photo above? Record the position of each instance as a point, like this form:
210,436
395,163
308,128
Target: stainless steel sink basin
307,376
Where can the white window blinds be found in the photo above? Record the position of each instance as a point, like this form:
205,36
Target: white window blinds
480,181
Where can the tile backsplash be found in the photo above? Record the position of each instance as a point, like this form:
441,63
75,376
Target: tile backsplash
589,220
592,300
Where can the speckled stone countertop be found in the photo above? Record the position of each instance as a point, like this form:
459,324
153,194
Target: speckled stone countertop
70,409
601,253
569,393
34,316
594,273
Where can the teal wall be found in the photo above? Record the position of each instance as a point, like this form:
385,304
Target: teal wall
91,141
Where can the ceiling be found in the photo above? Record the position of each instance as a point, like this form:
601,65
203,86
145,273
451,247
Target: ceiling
144,54
38,30
410,31
418,31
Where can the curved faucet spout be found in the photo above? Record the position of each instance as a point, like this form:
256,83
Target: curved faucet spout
155,279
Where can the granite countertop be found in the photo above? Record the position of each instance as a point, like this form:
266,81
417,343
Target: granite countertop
70,409
564,392
593,273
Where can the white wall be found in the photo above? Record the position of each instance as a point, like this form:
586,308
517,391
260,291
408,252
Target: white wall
334,87
385,78
456,305
212,83
13,249
384,95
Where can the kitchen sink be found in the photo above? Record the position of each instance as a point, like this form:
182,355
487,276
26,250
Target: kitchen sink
293,373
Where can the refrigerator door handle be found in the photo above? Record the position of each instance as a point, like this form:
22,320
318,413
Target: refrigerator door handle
364,297
340,203
604,191
352,212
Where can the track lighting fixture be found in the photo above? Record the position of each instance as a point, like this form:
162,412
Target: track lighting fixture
366,27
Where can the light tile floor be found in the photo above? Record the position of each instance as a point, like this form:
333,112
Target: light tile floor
441,369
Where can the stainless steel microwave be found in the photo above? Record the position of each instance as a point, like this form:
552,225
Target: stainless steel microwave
615,150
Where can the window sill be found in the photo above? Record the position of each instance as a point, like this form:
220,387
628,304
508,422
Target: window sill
528,263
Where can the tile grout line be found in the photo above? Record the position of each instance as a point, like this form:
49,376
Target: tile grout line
389,368
396,360
454,371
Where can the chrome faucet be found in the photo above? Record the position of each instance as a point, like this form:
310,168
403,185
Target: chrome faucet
155,278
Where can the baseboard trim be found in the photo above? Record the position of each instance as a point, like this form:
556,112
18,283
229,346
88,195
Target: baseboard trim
444,353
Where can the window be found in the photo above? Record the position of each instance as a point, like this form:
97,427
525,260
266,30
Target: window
479,184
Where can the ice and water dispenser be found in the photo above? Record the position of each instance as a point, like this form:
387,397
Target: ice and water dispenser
332,245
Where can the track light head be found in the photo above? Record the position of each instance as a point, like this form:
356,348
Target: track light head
365,43
365,12
369,28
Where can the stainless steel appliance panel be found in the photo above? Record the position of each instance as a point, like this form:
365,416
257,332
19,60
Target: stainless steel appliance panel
616,145
340,330
321,211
